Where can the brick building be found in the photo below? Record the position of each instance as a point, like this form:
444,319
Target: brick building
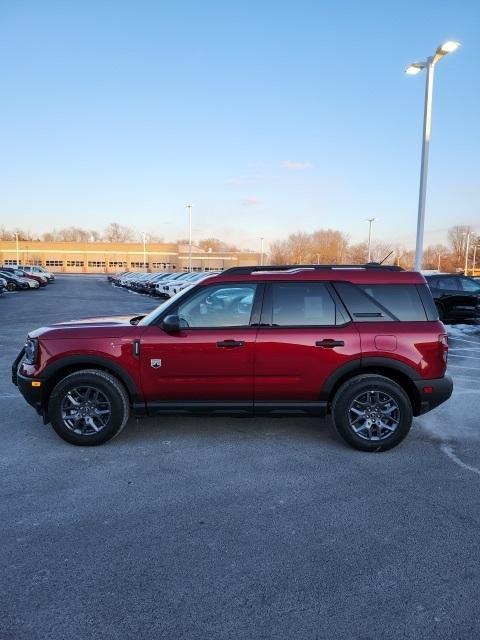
105,257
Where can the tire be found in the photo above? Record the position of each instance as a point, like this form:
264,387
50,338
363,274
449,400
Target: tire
102,416
11,286
382,421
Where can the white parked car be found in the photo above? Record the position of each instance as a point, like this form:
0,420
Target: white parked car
186,282
39,271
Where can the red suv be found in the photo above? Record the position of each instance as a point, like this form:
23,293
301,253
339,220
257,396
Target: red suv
363,343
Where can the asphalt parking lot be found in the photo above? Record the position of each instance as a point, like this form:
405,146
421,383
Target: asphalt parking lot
188,528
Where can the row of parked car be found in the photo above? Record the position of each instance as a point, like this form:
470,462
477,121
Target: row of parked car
163,285
24,278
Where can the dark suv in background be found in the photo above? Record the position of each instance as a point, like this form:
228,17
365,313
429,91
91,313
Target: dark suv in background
456,297
362,343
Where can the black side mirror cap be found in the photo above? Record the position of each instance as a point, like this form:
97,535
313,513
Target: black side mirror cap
171,324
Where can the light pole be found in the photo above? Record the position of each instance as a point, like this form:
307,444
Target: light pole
438,266
189,207
370,222
467,248
261,251
144,237
412,70
16,238
474,258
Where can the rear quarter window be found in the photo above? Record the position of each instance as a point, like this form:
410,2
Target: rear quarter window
383,302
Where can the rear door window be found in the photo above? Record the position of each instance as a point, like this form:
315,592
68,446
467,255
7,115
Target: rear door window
304,304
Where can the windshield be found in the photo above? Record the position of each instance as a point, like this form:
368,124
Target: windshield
153,315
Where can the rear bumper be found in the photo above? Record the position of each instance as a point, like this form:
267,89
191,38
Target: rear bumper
432,393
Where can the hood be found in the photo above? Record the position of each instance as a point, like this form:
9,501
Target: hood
104,326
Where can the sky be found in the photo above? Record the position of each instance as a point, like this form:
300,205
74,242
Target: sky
270,117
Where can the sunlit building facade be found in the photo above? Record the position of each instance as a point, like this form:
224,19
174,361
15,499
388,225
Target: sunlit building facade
104,257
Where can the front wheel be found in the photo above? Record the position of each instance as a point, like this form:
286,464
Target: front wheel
88,407
372,413
11,286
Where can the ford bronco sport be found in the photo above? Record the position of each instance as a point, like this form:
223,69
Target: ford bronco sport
362,343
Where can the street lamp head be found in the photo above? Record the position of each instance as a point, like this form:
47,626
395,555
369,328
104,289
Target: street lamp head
447,47
414,68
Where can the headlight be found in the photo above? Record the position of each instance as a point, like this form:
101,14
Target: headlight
31,350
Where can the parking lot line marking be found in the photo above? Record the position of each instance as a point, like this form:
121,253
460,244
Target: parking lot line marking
448,450
466,378
454,355
461,366
463,340
11,395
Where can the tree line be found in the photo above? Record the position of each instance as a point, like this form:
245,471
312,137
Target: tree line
319,247
329,246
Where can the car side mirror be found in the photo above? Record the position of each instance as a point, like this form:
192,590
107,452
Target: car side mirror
171,324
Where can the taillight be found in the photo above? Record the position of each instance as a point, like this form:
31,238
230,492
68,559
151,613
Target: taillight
443,340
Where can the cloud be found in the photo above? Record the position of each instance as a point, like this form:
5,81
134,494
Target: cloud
296,166
250,201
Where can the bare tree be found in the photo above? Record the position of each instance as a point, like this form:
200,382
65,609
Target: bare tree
456,238
118,233
358,253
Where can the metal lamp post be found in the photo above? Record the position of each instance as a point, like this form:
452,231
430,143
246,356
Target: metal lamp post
474,258
261,251
412,70
189,207
16,238
370,222
467,248
144,237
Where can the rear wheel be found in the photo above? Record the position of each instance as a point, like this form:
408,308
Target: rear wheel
11,286
372,413
88,407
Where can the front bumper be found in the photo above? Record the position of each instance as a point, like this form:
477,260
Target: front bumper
33,395
433,392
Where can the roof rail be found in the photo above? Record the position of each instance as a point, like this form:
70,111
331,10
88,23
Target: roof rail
310,267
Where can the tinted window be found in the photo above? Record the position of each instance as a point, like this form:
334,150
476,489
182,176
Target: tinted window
218,306
469,285
361,307
451,284
382,302
401,300
302,304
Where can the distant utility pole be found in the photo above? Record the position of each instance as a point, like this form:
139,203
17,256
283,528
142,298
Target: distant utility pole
16,238
189,207
370,222
261,251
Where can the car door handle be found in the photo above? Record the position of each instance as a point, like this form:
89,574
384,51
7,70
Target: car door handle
329,344
230,344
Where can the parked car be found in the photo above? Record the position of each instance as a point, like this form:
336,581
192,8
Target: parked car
456,296
183,284
38,270
42,280
364,344
15,283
